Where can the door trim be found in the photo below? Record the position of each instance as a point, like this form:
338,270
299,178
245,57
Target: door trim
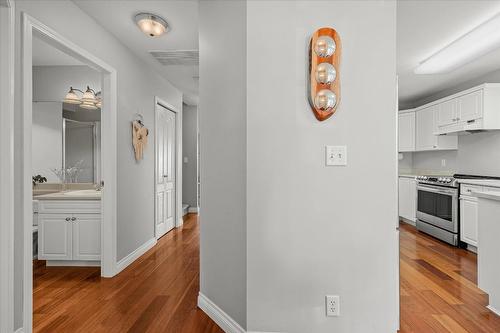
178,222
30,27
7,28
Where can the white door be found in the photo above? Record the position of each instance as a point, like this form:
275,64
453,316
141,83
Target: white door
54,237
165,170
86,236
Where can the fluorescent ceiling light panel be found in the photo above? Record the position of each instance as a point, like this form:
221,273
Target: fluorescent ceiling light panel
474,44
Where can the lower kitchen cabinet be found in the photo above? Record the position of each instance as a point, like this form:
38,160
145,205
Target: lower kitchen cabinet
69,237
408,198
469,220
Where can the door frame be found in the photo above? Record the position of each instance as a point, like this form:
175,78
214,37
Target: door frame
178,221
32,27
7,28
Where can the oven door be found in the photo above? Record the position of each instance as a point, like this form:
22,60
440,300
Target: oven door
438,206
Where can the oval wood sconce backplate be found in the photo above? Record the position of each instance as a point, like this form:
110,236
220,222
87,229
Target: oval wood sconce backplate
325,50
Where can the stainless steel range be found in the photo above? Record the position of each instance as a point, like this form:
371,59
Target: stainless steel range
437,207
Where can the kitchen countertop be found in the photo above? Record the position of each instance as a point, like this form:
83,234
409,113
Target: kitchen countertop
481,182
71,195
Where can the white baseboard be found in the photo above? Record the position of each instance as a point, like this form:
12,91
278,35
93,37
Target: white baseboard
221,318
492,309
19,330
410,222
75,263
193,210
122,264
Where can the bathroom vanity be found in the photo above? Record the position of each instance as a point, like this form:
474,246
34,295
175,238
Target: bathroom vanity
69,228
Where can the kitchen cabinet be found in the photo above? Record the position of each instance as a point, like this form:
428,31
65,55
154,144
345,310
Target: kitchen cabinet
406,131
468,220
69,230
408,198
426,127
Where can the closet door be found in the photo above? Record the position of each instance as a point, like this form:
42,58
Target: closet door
165,170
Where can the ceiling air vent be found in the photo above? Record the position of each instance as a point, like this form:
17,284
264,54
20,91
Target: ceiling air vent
176,57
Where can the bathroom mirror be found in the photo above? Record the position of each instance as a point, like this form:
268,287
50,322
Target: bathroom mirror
81,145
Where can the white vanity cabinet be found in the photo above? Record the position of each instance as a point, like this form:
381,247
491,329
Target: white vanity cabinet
69,230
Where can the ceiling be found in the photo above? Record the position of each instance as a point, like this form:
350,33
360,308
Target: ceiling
424,27
47,55
182,17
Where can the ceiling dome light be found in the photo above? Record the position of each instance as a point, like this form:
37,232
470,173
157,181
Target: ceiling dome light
152,25
72,97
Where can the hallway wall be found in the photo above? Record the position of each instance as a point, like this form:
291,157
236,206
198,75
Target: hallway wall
190,151
137,86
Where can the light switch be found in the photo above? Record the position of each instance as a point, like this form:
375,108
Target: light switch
185,159
336,155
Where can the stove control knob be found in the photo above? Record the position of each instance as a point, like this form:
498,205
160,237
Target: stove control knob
448,180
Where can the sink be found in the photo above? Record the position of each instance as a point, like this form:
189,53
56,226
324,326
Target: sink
81,193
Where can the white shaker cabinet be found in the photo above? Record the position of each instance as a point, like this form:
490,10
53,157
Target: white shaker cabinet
406,131
408,198
69,230
426,127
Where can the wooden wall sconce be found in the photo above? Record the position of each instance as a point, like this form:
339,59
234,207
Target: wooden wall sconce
325,51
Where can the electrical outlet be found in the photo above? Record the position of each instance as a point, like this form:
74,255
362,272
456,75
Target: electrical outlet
332,305
443,162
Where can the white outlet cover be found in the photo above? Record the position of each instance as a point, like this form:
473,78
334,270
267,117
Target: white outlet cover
336,155
332,305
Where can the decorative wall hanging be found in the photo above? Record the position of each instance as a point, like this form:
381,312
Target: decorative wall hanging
325,50
139,137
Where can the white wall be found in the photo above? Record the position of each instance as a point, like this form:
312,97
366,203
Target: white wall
314,230
47,139
189,149
222,125
137,86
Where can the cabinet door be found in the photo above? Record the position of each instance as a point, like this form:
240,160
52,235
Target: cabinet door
404,200
447,113
468,221
406,130
54,237
425,138
87,237
412,197
470,106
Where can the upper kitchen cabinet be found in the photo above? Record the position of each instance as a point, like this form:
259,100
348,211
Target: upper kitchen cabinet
406,131
477,108
426,128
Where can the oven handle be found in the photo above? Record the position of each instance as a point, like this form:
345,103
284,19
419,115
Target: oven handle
436,190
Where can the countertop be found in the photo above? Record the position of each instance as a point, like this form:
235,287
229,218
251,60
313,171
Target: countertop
481,182
71,195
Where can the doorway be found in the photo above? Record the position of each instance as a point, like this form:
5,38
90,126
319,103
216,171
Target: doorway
32,28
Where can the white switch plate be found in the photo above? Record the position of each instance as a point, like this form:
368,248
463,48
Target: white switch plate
185,159
336,155
332,305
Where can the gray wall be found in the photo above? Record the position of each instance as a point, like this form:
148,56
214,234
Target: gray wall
222,124
477,153
314,230
137,86
189,149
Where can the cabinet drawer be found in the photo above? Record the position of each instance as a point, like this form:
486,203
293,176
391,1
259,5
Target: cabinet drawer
69,206
468,189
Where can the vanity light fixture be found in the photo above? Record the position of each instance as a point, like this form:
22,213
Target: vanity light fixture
151,24
90,99
323,79
477,42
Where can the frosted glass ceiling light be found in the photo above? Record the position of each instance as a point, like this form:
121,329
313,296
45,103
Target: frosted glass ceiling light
152,25
72,97
88,106
477,42
89,96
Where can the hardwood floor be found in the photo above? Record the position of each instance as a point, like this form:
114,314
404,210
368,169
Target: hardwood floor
438,288
157,293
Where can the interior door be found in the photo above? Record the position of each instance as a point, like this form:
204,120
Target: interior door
165,170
